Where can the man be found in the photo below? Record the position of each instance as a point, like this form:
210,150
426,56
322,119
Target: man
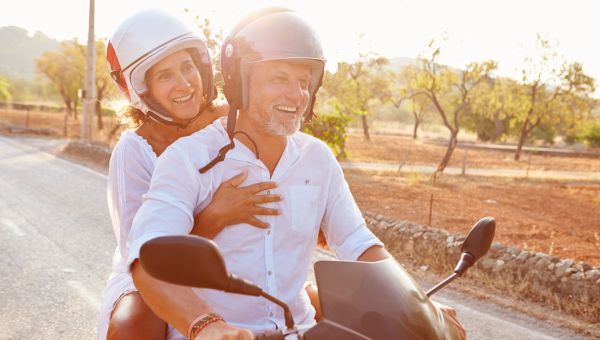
273,66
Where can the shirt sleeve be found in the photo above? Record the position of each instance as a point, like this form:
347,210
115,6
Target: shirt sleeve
343,224
129,173
168,207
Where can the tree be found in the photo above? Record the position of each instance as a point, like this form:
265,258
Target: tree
407,89
4,93
548,86
491,110
64,69
420,109
357,85
105,87
449,92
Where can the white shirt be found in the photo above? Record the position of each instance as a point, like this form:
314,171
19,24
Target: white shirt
314,193
130,170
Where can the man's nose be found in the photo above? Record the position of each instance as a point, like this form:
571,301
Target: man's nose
296,90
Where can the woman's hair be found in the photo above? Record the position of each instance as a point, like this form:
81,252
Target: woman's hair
133,117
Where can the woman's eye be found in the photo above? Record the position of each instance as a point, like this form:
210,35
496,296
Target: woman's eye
163,76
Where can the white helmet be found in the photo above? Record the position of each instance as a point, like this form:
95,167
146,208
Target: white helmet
141,41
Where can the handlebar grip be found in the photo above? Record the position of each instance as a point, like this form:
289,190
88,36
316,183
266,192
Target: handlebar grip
270,335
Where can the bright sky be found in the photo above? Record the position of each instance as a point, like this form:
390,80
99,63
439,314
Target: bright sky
477,30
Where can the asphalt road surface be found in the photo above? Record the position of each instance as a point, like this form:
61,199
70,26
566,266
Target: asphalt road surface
56,245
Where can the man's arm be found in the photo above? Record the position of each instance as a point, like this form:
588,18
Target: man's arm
375,253
164,298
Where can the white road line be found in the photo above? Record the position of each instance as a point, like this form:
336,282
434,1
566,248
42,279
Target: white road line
12,226
24,146
90,297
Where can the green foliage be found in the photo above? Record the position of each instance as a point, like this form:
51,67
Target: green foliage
330,127
591,134
4,93
544,132
65,70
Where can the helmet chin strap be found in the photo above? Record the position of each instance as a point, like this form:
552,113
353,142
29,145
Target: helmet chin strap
231,120
155,115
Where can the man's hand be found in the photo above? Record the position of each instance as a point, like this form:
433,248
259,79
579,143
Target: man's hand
223,331
452,320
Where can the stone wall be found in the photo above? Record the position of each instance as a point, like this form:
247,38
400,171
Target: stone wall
572,286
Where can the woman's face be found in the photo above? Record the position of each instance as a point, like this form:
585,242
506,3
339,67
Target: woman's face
175,83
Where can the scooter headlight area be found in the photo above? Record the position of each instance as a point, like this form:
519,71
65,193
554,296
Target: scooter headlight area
359,300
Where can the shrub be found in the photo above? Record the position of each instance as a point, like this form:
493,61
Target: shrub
330,127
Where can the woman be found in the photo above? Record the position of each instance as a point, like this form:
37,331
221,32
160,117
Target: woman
164,69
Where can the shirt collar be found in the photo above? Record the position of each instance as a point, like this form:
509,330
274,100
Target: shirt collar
290,155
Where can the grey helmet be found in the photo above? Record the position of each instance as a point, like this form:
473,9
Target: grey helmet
273,33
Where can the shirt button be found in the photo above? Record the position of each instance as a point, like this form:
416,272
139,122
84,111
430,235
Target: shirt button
271,314
268,192
268,232
269,272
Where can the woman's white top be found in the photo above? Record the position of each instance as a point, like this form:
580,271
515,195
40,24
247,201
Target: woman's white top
129,172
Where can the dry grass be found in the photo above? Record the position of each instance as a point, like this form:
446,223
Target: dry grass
53,124
400,149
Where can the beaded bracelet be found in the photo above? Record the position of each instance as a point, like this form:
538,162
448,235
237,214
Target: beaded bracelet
201,322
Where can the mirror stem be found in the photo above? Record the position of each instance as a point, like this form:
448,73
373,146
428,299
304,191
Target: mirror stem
442,284
289,320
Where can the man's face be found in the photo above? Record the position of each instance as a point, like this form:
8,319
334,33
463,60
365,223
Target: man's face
278,96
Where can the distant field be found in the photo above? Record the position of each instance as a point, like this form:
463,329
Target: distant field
403,149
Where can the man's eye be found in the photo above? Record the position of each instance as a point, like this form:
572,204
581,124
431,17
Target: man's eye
280,80
304,83
187,68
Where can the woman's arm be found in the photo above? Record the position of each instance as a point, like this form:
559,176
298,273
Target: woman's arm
233,205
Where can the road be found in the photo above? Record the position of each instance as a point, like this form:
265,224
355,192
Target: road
487,172
56,247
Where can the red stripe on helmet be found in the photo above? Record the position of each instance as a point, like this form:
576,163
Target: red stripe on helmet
115,69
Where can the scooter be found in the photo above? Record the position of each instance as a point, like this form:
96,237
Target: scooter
359,300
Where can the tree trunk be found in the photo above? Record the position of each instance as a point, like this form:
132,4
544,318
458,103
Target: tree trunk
451,146
416,127
75,102
68,107
498,128
522,138
365,125
65,124
99,114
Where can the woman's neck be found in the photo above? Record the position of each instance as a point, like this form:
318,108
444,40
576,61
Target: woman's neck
160,136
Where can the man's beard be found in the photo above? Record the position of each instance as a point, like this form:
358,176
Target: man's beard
275,125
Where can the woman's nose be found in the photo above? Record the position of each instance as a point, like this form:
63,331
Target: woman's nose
183,81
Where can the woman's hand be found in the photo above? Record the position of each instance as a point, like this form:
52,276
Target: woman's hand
233,205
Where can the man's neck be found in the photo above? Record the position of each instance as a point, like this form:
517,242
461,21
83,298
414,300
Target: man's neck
270,147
